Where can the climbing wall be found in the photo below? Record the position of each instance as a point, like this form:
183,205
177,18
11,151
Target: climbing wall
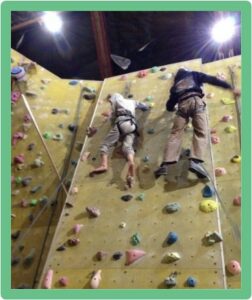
229,185
73,256
62,110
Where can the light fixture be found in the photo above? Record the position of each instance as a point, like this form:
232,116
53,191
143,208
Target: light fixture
223,30
52,21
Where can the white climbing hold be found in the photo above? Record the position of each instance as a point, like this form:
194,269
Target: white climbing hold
96,279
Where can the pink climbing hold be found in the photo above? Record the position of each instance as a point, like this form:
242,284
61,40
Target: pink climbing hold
234,267
19,159
142,73
24,203
237,201
123,77
17,136
27,118
47,284
96,279
220,172
91,131
63,281
226,118
77,228
15,96
133,255
215,139
85,156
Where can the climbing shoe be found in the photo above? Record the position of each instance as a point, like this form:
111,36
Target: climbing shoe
162,170
198,169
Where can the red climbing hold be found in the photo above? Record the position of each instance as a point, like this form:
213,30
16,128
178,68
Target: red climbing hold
142,73
133,255
19,159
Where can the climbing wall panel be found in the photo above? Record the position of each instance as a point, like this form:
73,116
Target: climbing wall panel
146,217
229,185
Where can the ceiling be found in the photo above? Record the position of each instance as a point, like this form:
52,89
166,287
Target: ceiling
146,38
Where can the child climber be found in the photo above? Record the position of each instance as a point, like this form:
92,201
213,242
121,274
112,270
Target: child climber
187,93
125,129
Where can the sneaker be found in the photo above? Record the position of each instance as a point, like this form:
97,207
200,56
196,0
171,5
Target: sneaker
198,169
162,170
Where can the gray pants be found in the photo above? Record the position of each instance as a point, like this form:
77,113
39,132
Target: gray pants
193,107
125,133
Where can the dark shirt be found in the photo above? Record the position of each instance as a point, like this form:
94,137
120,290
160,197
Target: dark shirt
192,82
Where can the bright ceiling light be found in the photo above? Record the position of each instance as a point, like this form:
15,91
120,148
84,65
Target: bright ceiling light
52,21
223,30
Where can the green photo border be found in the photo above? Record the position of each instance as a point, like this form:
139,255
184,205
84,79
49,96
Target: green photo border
6,7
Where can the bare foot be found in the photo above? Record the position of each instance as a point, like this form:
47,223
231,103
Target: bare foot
99,170
130,181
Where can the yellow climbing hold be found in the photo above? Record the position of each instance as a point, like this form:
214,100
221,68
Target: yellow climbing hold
151,104
227,101
230,129
208,206
236,159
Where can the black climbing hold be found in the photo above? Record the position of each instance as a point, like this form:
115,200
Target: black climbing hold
21,248
163,69
89,96
117,255
130,96
68,183
93,158
127,197
26,181
31,146
55,111
72,127
43,200
15,261
31,217
15,235
35,189
69,205
67,214
74,163
28,260
24,286
61,248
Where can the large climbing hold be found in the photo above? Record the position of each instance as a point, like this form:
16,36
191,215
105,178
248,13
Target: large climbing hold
207,191
133,255
211,238
208,206
47,283
95,280
234,267
236,159
171,257
230,129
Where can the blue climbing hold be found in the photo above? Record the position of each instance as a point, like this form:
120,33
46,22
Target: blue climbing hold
73,82
191,281
207,192
172,238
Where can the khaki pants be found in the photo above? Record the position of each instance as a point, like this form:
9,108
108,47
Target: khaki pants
193,107
125,134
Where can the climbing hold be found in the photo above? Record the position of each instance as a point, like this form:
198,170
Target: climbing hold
213,131
227,118
15,261
127,197
35,189
172,207
47,135
61,126
146,158
234,267
77,228
85,156
18,180
151,105
72,127
215,139
74,162
117,255
149,98
220,172
43,200
20,167
15,96
227,101
15,192
146,168
123,77
140,197
122,225
13,216
31,93
28,260
93,211
236,159
133,255
142,73
208,206
91,131
170,281
166,76
57,137
19,159
151,131
212,237
31,217
61,248
130,96
47,283
33,202
73,82
24,203
100,255
45,81
135,239
69,205
18,136
89,90
191,281
96,279
237,201
18,73
15,235
54,111
89,96
37,163
73,242
154,69
171,257
21,248
172,238
26,180
63,281
221,76
230,129
210,95
74,190
207,191
163,69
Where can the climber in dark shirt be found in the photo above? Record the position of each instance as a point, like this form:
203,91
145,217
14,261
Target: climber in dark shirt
187,93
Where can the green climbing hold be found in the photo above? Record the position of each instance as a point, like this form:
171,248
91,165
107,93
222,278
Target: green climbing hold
149,98
154,69
33,202
140,197
135,239
57,137
18,179
47,135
